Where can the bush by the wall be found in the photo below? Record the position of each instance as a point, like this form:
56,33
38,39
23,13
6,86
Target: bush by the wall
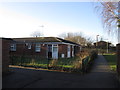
88,61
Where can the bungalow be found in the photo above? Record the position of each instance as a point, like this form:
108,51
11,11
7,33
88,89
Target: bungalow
102,44
47,47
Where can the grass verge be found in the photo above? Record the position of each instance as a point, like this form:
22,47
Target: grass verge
111,59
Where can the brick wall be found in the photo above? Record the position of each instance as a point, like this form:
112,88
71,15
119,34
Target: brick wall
5,54
77,50
62,49
22,49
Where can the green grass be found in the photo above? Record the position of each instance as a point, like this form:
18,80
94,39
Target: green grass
62,63
40,62
111,58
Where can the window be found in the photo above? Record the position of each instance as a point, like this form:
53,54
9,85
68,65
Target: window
55,49
49,48
55,45
69,48
37,47
29,46
13,47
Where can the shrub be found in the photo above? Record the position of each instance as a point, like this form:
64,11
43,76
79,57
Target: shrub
82,55
53,63
88,61
93,55
77,65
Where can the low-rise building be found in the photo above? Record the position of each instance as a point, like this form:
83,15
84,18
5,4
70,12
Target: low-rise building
47,47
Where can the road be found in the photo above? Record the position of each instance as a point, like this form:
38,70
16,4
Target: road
100,77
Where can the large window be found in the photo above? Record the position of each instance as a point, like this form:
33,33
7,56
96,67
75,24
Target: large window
38,48
13,47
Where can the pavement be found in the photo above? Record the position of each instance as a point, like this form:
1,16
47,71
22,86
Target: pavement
100,76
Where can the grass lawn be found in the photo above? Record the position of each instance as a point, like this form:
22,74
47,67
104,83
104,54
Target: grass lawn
38,62
66,64
111,58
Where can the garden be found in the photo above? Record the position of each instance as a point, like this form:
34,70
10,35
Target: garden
80,63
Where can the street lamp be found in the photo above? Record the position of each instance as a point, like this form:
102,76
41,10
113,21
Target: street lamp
97,40
97,43
107,46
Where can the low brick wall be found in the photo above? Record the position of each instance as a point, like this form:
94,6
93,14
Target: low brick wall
118,61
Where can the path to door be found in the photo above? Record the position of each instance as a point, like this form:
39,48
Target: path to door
99,77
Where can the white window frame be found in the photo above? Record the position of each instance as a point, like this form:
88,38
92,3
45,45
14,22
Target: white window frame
69,48
12,47
68,51
29,46
54,45
73,51
37,47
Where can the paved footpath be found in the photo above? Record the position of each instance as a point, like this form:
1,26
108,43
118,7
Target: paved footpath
99,77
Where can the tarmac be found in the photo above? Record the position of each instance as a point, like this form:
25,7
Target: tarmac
100,76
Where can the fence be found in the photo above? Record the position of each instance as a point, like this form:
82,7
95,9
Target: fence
67,64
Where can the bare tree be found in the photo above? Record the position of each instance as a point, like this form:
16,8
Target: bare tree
62,35
77,38
109,15
37,34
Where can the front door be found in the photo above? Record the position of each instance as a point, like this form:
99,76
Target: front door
55,51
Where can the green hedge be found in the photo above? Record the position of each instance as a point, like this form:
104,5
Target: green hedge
88,61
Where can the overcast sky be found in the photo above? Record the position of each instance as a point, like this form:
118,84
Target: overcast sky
20,19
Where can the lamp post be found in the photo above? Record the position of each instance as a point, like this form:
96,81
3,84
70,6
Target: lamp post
107,46
97,41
